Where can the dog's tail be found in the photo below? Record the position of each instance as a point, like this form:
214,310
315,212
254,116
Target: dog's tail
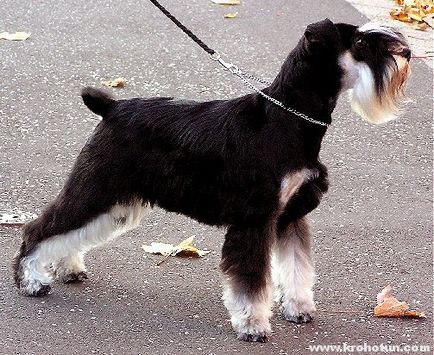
98,101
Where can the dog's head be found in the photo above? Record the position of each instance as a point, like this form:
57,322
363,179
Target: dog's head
370,61
375,63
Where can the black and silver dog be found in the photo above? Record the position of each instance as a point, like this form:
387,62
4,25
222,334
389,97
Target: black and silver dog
243,163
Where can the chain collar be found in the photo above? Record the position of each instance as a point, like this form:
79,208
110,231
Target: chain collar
245,77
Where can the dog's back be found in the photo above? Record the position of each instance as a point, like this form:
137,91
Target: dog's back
207,154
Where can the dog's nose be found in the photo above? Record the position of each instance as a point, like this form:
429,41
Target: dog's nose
406,53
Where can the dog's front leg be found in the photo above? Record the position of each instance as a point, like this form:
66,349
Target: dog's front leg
293,271
247,288
306,198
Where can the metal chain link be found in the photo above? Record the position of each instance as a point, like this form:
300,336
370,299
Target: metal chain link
255,78
244,78
278,103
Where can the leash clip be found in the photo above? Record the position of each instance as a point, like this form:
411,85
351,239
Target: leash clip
229,66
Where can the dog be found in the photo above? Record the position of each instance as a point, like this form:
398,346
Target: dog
245,164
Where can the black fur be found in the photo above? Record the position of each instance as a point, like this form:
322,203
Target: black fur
97,101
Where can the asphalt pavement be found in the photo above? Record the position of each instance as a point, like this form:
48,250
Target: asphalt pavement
372,229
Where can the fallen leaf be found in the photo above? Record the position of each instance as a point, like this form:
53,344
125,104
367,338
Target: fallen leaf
231,15
429,19
389,306
227,2
400,16
188,249
185,248
15,218
115,83
17,36
421,26
159,248
414,12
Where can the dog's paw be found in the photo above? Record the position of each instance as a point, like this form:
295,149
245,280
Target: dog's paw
32,279
253,330
43,291
300,318
260,337
34,289
73,277
300,310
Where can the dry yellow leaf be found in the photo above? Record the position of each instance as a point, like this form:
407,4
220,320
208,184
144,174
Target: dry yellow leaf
413,11
115,83
415,14
227,2
231,15
17,36
400,16
389,306
185,248
159,248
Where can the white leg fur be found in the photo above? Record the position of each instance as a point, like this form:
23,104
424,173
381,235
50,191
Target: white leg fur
293,272
71,268
250,314
250,317
67,250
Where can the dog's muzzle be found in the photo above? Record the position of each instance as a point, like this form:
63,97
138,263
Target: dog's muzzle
376,68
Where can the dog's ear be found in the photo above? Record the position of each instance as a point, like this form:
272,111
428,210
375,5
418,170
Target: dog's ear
318,35
347,32
312,38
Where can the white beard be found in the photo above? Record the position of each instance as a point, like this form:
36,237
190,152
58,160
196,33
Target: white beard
365,101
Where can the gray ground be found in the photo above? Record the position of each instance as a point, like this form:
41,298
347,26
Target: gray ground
372,229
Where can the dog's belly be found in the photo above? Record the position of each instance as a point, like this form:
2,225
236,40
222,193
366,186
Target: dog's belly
208,190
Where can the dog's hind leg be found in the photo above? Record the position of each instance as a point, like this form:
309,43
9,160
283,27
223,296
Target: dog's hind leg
293,271
120,219
71,268
60,255
247,288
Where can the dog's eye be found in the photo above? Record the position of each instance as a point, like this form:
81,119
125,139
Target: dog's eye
360,43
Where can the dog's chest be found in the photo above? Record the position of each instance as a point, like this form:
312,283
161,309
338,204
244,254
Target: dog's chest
291,183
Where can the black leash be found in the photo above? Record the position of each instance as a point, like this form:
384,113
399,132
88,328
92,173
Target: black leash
245,77
183,28
214,54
